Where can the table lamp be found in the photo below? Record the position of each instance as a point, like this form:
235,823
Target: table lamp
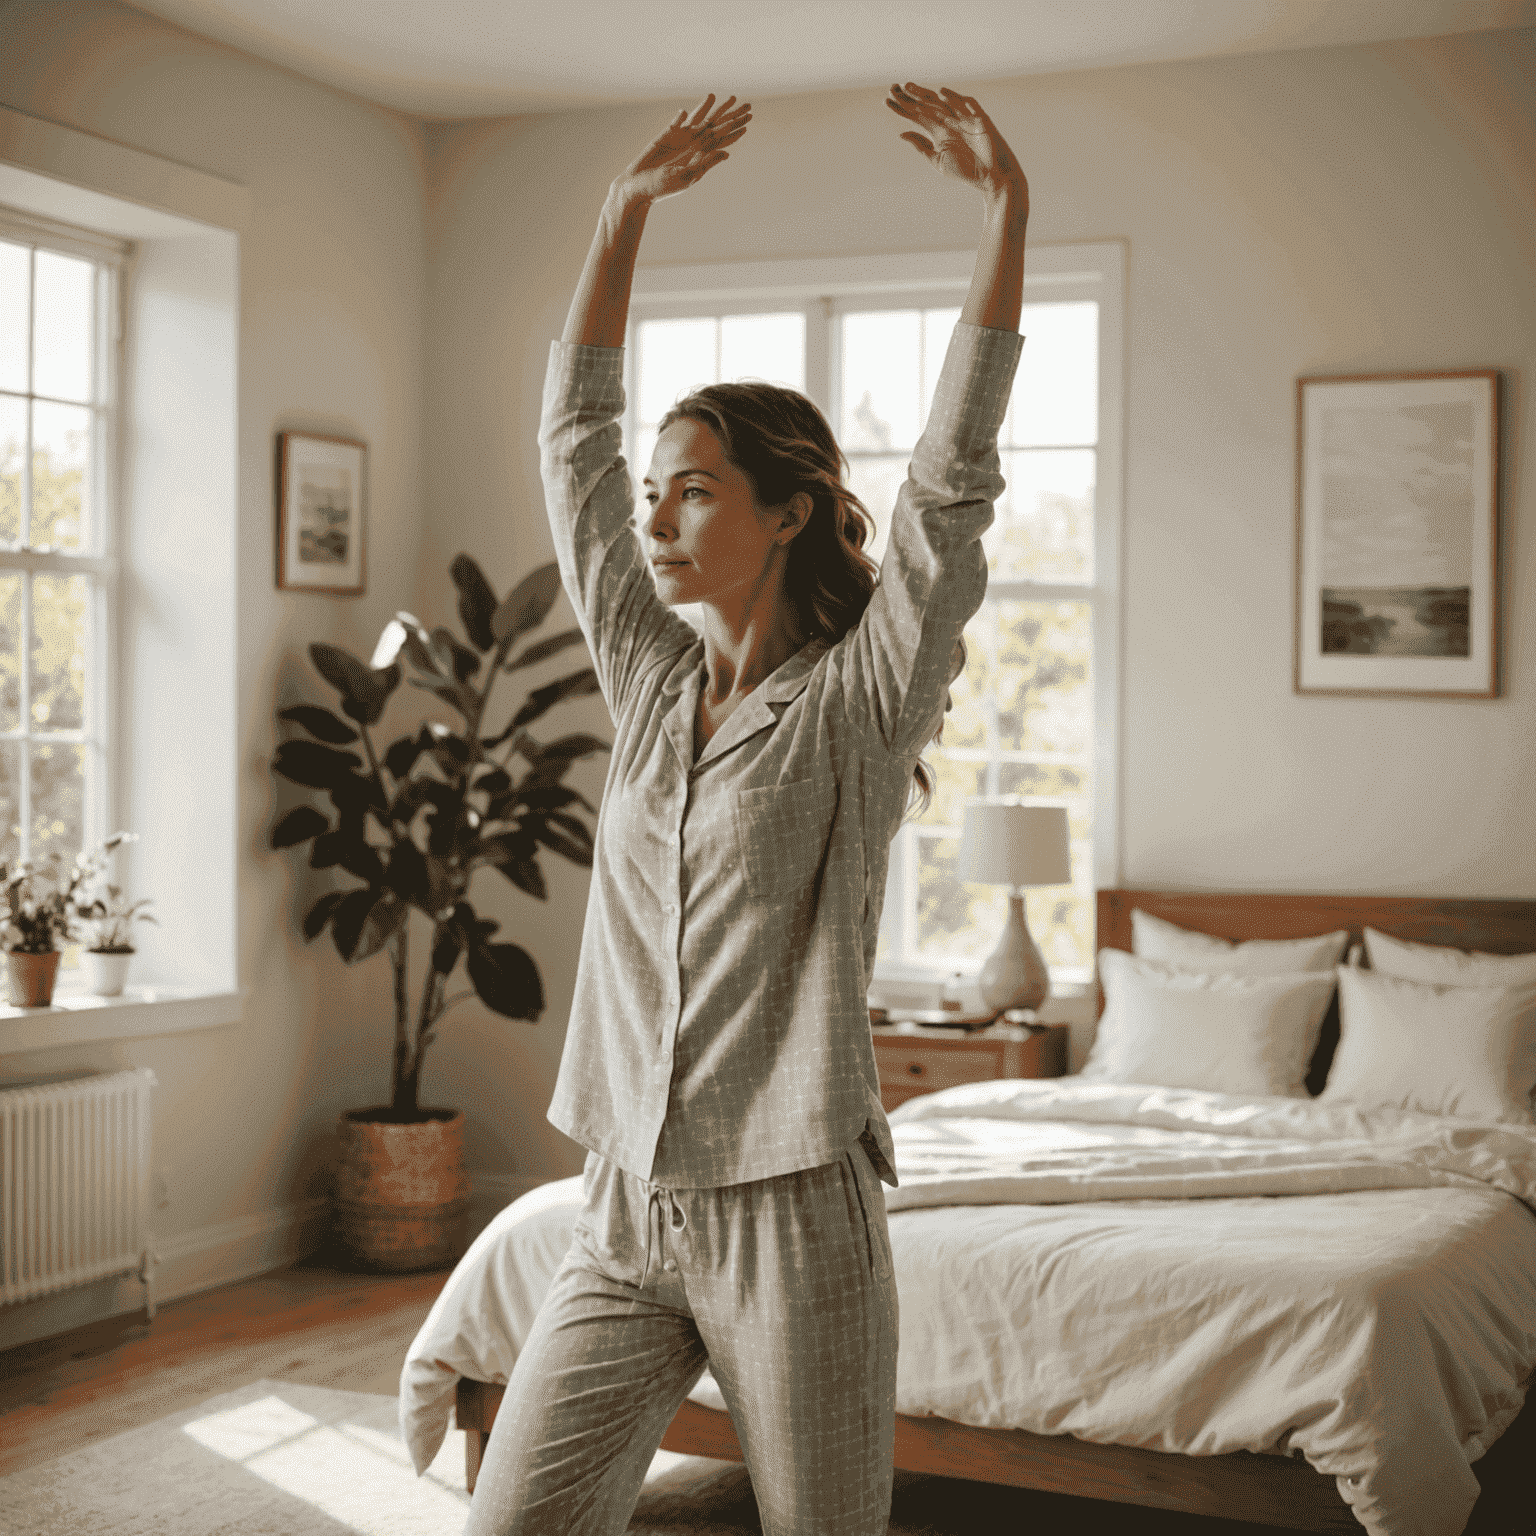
1005,843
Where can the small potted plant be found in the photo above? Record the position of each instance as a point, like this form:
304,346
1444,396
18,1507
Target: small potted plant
108,917
39,915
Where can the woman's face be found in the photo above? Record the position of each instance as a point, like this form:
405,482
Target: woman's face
705,535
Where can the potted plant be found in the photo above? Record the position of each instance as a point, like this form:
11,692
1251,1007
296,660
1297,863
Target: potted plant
108,918
40,913
412,826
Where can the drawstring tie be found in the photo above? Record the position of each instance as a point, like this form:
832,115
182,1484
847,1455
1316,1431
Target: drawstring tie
677,1218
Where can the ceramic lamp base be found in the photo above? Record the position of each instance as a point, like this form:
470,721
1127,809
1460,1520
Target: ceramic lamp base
1015,975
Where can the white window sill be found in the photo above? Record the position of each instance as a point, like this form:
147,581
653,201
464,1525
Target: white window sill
76,1018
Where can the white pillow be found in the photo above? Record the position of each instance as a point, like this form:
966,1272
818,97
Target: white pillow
1447,967
1464,1051
1226,1033
1153,938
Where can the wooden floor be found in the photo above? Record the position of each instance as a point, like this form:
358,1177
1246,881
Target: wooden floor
327,1325
315,1322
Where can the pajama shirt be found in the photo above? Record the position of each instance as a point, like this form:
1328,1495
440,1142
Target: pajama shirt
719,1039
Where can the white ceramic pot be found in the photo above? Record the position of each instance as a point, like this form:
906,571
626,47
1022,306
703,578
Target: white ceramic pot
104,971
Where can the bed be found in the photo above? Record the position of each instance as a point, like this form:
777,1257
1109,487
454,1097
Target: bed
1222,1420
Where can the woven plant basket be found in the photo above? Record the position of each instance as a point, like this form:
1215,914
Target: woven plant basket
402,1195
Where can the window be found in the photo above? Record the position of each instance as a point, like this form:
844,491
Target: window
1034,714
58,375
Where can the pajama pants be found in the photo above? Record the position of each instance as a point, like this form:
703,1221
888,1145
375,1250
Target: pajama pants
783,1287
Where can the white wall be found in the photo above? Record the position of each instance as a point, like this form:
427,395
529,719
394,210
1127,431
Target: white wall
332,282
1362,209
1344,210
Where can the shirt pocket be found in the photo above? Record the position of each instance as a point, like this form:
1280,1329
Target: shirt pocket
781,832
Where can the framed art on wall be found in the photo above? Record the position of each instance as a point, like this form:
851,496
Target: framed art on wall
1397,534
321,514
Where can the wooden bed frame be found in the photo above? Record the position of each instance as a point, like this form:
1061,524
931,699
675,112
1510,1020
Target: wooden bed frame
1269,1490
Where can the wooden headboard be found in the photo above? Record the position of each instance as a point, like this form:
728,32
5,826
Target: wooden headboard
1496,927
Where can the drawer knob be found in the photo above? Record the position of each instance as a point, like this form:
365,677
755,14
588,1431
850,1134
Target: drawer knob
916,1068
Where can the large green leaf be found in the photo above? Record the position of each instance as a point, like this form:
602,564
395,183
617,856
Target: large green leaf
298,826
477,601
528,604
507,980
526,875
365,921
363,691
544,699
552,837
316,766
455,659
407,873
545,649
347,848
460,695
320,914
320,723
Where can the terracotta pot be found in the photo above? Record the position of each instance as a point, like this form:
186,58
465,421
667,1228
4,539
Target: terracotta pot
402,1195
105,970
32,978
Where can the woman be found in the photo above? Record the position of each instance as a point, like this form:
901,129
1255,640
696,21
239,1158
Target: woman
718,1064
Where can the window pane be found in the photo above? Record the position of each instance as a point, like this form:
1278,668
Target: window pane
61,451
10,801
1042,781
1044,684
770,347
61,327
881,389
13,450
59,610
957,782
1056,392
938,324
875,482
1043,529
675,355
14,279
10,650
58,800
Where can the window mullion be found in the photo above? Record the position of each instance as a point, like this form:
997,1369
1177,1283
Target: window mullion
819,324
24,690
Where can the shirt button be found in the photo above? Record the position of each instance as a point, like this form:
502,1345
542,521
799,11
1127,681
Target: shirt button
670,1267
672,908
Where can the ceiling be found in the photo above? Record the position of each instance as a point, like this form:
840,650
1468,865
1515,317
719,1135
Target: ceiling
474,58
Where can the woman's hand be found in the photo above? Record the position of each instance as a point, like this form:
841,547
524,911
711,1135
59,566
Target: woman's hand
690,146
961,140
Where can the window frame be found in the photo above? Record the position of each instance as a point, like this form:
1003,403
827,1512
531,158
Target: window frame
100,558
825,288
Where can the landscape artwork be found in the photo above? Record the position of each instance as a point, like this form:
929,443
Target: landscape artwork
1397,535
320,514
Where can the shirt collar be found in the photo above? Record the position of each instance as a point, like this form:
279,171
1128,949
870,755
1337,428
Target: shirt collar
785,683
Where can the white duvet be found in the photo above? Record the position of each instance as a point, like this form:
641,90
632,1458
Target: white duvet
1178,1270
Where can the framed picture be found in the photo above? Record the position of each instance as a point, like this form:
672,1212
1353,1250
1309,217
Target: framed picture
321,513
1397,534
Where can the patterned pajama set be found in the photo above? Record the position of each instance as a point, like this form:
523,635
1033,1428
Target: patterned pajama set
718,1063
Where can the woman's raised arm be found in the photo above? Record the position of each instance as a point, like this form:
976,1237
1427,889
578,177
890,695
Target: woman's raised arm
961,141
691,145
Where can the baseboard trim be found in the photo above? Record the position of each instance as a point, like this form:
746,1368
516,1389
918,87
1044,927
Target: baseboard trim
188,1262
219,1253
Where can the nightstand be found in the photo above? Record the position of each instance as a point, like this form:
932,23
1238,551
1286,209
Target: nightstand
915,1059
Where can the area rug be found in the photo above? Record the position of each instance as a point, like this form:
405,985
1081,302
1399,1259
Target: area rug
277,1459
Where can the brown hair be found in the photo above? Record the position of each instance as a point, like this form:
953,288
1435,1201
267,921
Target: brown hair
782,443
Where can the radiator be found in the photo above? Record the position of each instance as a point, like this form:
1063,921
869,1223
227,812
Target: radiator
74,1184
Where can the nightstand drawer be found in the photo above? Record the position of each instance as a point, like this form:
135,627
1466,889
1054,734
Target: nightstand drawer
926,1069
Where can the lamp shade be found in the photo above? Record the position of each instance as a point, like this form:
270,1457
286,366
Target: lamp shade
1005,843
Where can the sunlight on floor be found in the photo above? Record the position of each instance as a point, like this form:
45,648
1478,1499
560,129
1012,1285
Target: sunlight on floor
355,1473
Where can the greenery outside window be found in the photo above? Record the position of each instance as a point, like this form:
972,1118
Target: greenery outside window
59,367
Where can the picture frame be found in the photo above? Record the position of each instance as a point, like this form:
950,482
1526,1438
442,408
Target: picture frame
322,506
1397,535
